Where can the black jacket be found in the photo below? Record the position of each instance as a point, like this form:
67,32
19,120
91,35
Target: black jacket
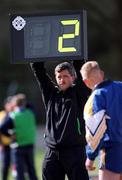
65,126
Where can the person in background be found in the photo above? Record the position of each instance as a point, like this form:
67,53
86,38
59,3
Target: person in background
22,121
5,140
103,118
65,127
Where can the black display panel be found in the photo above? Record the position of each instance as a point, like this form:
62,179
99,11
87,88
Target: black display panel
48,36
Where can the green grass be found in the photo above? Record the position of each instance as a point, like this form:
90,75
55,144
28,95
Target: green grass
39,154
38,162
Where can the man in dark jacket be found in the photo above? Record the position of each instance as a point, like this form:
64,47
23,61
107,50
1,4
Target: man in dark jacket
65,130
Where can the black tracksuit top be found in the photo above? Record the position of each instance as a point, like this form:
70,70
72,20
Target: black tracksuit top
65,127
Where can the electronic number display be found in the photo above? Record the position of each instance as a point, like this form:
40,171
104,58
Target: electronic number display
48,36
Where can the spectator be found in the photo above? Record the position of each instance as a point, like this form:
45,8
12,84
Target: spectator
22,121
5,139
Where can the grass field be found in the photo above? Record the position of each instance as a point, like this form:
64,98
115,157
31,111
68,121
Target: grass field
38,162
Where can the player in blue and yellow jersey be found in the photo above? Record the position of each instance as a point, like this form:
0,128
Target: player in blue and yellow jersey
103,118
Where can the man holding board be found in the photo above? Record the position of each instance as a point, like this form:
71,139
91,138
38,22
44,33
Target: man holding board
57,36
65,128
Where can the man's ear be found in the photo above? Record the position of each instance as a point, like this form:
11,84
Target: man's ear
102,73
74,78
86,81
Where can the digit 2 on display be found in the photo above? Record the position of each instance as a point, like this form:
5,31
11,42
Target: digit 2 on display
48,36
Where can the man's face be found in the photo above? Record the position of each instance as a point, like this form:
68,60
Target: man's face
8,107
64,79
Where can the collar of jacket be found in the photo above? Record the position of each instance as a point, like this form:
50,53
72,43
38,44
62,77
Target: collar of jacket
102,84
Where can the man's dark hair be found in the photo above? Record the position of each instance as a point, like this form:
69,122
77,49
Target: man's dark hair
20,100
66,66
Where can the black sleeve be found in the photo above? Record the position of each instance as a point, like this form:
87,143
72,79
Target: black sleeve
82,91
45,83
77,65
